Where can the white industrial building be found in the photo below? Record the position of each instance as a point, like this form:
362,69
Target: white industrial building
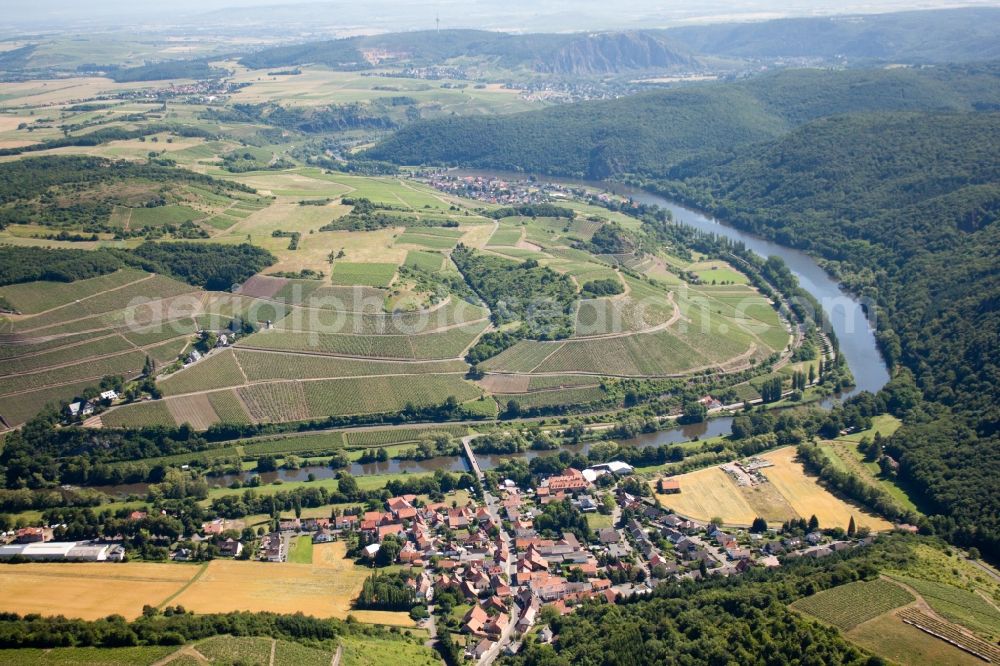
68,551
614,467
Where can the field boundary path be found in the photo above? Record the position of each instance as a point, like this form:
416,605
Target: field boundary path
335,660
194,579
186,651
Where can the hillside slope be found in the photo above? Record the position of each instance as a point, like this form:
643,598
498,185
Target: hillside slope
578,54
905,208
653,132
951,35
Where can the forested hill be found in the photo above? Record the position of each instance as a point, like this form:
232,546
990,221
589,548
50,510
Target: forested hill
950,35
652,133
598,53
954,35
905,207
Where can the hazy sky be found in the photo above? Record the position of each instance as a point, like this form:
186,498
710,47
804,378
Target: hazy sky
409,14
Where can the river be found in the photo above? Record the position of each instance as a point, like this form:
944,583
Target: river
847,318
844,312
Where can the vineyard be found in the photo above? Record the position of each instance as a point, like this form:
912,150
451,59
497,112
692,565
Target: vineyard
944,631
446,344
430,262
427,240
295,654
383,394
366,274
455,311
849,605
17,408
168,352
369,438
505,236
959,606
263,366
139,415
110,344
643,308
572,396
271,403
326,442
195,410
216,371
539,382
35,297
127,364
157,286
522,357
228,407
314,294
237,649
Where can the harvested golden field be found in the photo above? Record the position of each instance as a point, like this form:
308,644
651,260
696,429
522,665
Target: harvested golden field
90,590
808,498
710,493
324,588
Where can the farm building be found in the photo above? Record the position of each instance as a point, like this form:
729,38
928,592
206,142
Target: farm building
75,551
669,486
32,535
614,467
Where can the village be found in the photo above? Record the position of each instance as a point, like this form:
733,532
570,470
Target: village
493,569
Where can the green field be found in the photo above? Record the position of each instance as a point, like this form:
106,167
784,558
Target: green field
847,606
301,551
427,240
370,275
505,236
425,261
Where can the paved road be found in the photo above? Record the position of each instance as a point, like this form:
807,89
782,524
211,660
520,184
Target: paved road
492,506
431,628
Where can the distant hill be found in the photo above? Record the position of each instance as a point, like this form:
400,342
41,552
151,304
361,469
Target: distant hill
952,35
653,133
599,53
